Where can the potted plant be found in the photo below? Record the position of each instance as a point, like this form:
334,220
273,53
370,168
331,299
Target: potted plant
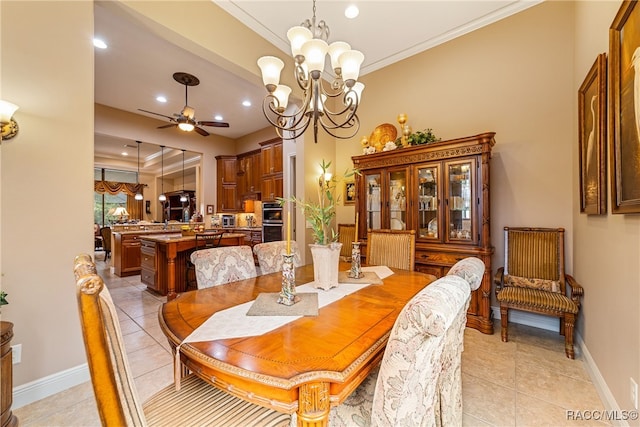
326,249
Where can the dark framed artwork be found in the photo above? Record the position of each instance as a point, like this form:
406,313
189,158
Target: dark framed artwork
349,193
209,209
147,206
592,125
624,109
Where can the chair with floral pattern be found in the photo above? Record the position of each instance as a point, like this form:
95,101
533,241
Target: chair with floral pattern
217,266
419,380
270,255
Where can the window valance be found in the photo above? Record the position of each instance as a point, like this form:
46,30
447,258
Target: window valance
111,187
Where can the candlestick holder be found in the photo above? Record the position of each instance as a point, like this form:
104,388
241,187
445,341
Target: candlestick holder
355,272
288,293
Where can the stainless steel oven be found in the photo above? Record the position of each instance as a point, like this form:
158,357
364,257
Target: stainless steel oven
271,222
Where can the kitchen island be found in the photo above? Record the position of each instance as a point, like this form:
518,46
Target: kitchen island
164,260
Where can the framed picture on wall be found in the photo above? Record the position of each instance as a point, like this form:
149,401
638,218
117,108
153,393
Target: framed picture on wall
624,97
209,209
349,193
592,128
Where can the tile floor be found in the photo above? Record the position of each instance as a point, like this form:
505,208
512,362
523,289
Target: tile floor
527,381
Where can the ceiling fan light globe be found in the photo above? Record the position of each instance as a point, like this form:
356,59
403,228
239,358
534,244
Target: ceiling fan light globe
187,127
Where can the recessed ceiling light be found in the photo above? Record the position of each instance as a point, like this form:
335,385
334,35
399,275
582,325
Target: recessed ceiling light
161,99
99,43
351,11
218,117
246,103
124,153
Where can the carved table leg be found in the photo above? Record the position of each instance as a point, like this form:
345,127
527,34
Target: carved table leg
313,405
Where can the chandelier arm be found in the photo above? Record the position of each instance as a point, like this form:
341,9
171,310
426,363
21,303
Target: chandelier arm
298,116
355,126
302,78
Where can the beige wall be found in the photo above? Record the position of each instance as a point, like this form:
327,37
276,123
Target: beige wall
606,247
49,74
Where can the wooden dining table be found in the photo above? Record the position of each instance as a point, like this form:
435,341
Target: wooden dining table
305,366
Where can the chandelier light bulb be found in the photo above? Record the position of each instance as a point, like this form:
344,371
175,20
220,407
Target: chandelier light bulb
350,62
315,52
282,93
335,50
297,37
270,66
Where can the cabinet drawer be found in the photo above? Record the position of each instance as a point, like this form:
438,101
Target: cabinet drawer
438,258
430,269
148,260
148,277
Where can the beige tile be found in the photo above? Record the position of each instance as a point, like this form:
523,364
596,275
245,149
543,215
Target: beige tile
147,321
148,359
150,383
138,340
551,358
556,388
471,421
127,325
42,408
499,370
535,412
488,402
81,414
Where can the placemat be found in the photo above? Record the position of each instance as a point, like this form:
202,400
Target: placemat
267,305
368,277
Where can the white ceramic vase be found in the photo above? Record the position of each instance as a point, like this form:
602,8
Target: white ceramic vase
325,265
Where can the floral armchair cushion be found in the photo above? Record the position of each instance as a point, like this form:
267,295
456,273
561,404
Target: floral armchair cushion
526,282
470,269
270,255
217,266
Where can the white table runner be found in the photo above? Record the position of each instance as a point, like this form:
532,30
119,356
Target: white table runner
233,322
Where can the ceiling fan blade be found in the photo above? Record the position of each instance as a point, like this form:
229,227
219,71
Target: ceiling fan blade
167,126
201,131
215,124
157,114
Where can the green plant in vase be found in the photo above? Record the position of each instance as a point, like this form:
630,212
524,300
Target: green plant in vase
320,214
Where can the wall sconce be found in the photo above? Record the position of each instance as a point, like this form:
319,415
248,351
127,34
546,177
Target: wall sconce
324,179
9,125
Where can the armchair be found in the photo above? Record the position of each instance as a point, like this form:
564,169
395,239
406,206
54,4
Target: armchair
533,279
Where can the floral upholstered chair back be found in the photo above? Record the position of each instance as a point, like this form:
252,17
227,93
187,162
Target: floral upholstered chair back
217,266
420,371
270,255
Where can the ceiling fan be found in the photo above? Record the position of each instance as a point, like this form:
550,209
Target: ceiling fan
186,120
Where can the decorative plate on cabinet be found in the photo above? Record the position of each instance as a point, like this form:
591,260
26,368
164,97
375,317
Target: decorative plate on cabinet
382,134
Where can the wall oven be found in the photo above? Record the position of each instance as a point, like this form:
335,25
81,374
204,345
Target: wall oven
271,222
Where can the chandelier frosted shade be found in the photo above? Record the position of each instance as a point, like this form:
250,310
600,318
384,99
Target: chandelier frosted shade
331,107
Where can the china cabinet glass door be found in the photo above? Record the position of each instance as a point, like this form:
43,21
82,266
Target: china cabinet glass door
460,206
397,181
373,201
428,180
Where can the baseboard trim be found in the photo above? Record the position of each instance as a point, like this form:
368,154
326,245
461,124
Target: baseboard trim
49,385
598,381
530,319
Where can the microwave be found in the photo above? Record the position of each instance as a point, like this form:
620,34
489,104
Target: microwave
228,221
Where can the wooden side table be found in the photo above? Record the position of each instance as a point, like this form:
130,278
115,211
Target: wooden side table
6,376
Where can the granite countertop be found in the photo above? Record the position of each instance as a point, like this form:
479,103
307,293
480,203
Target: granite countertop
175,237
143,232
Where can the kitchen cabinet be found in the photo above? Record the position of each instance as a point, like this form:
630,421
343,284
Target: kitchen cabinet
127,252
226,173
440,190
271,161
249,176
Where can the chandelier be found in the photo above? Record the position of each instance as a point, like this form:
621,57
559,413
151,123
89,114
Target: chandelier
309,48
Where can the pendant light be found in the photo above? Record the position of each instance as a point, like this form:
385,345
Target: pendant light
183,196
138,193
162,197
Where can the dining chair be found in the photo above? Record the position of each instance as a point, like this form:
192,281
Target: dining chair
105,232
270,255
217,266
533,279
393,248
419,379
202,241
197,403
346,236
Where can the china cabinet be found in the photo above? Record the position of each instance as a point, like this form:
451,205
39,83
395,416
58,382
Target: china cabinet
440,190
